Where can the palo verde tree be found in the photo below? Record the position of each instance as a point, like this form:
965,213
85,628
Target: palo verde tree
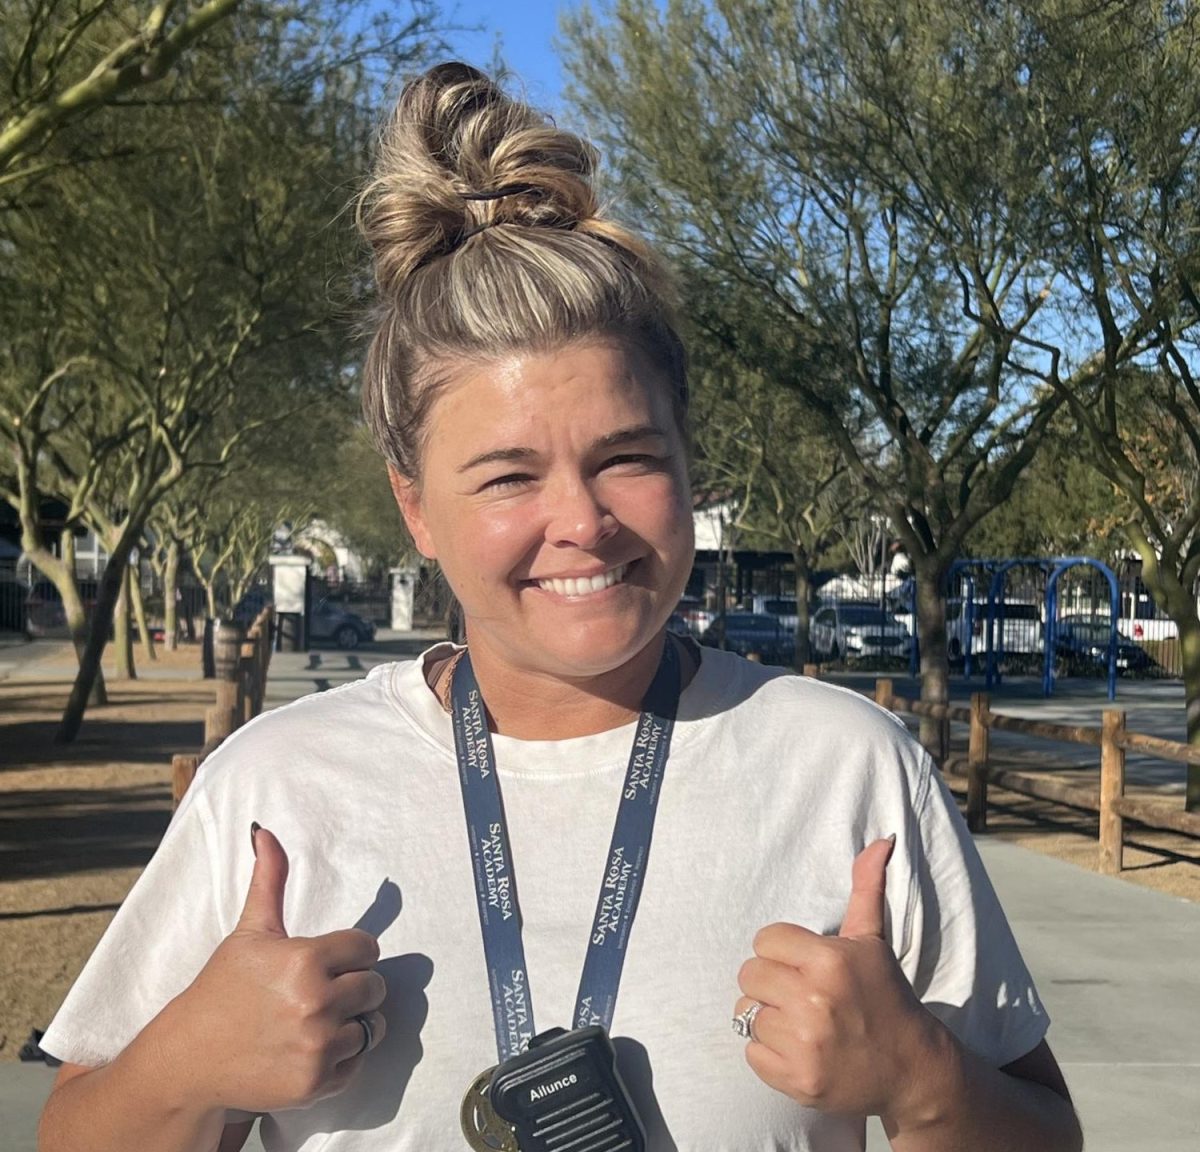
790,486
1117,88
860,183
193,275
826,176
64,59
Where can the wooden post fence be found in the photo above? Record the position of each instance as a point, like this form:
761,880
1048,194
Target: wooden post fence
242,664
1112,789
226,714
1109,801
977,763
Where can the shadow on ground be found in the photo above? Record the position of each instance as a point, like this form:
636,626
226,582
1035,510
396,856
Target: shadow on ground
58,832
30,743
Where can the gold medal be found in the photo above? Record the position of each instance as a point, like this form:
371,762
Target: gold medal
484,1130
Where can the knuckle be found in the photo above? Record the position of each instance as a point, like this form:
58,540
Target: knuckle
746,972
766,937
378,989
370,945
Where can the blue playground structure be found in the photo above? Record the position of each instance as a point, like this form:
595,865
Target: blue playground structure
962,578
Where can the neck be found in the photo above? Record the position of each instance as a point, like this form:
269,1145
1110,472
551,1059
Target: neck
533,705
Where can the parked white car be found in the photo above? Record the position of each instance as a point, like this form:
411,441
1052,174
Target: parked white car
857,629
782,607
1022,632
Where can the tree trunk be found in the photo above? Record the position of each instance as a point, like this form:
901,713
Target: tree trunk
170,594
1166,584
98,631
935,663
139,612
803,595
61,574
77,617
122,640
1189,646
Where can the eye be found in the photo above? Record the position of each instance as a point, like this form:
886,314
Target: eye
512,480
636,459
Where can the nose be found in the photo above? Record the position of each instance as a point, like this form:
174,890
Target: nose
577,518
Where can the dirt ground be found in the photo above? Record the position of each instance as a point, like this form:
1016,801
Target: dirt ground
78,822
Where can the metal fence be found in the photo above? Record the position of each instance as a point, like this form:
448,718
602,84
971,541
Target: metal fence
12,606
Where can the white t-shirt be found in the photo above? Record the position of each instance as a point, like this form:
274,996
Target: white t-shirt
774,783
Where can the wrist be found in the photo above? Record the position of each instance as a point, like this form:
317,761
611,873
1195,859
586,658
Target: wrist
931,1080
168,1060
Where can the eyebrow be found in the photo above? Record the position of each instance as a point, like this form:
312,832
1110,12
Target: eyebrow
612,440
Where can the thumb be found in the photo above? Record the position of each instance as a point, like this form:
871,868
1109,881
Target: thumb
868,880
263,910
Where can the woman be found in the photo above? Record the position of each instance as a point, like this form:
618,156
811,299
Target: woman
809,874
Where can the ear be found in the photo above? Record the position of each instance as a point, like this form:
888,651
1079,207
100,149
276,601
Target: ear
408,497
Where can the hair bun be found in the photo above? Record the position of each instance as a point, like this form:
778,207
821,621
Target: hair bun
459,156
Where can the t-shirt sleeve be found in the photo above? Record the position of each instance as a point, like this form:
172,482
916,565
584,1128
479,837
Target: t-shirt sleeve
959,953
160,938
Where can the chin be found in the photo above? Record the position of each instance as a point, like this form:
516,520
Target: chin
594,655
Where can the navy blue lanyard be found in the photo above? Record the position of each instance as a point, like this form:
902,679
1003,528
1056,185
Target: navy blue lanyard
625,869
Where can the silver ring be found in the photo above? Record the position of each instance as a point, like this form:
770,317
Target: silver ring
743,1022
368,1033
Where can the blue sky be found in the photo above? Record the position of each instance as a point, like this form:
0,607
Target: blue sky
524,30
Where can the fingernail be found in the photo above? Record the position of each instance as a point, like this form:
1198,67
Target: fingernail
891,845
891,838
254,827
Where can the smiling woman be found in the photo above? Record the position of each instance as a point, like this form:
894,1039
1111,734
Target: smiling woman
554,493
374,987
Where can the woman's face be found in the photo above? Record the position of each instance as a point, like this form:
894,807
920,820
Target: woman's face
555,495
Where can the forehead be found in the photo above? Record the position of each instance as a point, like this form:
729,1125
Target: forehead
581,391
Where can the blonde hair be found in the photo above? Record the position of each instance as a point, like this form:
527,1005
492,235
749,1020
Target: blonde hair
488,239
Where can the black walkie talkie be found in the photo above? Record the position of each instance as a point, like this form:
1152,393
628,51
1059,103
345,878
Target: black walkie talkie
564,1091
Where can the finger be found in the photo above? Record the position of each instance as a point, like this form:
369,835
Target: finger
263,910
347,950
348,1043
357,992
769,1066
766,1021
786,943
868,888
771,981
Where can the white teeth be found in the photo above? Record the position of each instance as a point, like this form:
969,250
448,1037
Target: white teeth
584,585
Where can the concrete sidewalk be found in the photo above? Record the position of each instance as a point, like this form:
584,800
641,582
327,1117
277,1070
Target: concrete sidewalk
1116,967
1115,964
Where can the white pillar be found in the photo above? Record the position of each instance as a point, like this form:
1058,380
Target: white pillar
404,585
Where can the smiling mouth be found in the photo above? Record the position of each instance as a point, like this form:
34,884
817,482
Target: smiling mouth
585,585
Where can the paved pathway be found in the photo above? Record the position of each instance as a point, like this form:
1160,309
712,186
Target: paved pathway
1116,963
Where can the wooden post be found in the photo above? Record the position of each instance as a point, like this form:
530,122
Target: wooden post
977,764
183,772
884,693
1112,788
226,715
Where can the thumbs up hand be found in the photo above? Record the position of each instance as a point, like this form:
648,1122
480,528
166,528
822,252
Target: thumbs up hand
840,1028
270,1021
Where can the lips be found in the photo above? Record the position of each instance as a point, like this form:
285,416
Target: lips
584,585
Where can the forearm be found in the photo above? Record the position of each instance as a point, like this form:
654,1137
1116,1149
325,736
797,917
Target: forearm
960,1101
143,1099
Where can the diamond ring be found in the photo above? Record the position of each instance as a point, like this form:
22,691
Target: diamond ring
743,1022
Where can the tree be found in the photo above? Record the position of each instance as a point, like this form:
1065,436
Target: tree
64,60
1060,506
1118,94
356,499
851,181
223,307
792,489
